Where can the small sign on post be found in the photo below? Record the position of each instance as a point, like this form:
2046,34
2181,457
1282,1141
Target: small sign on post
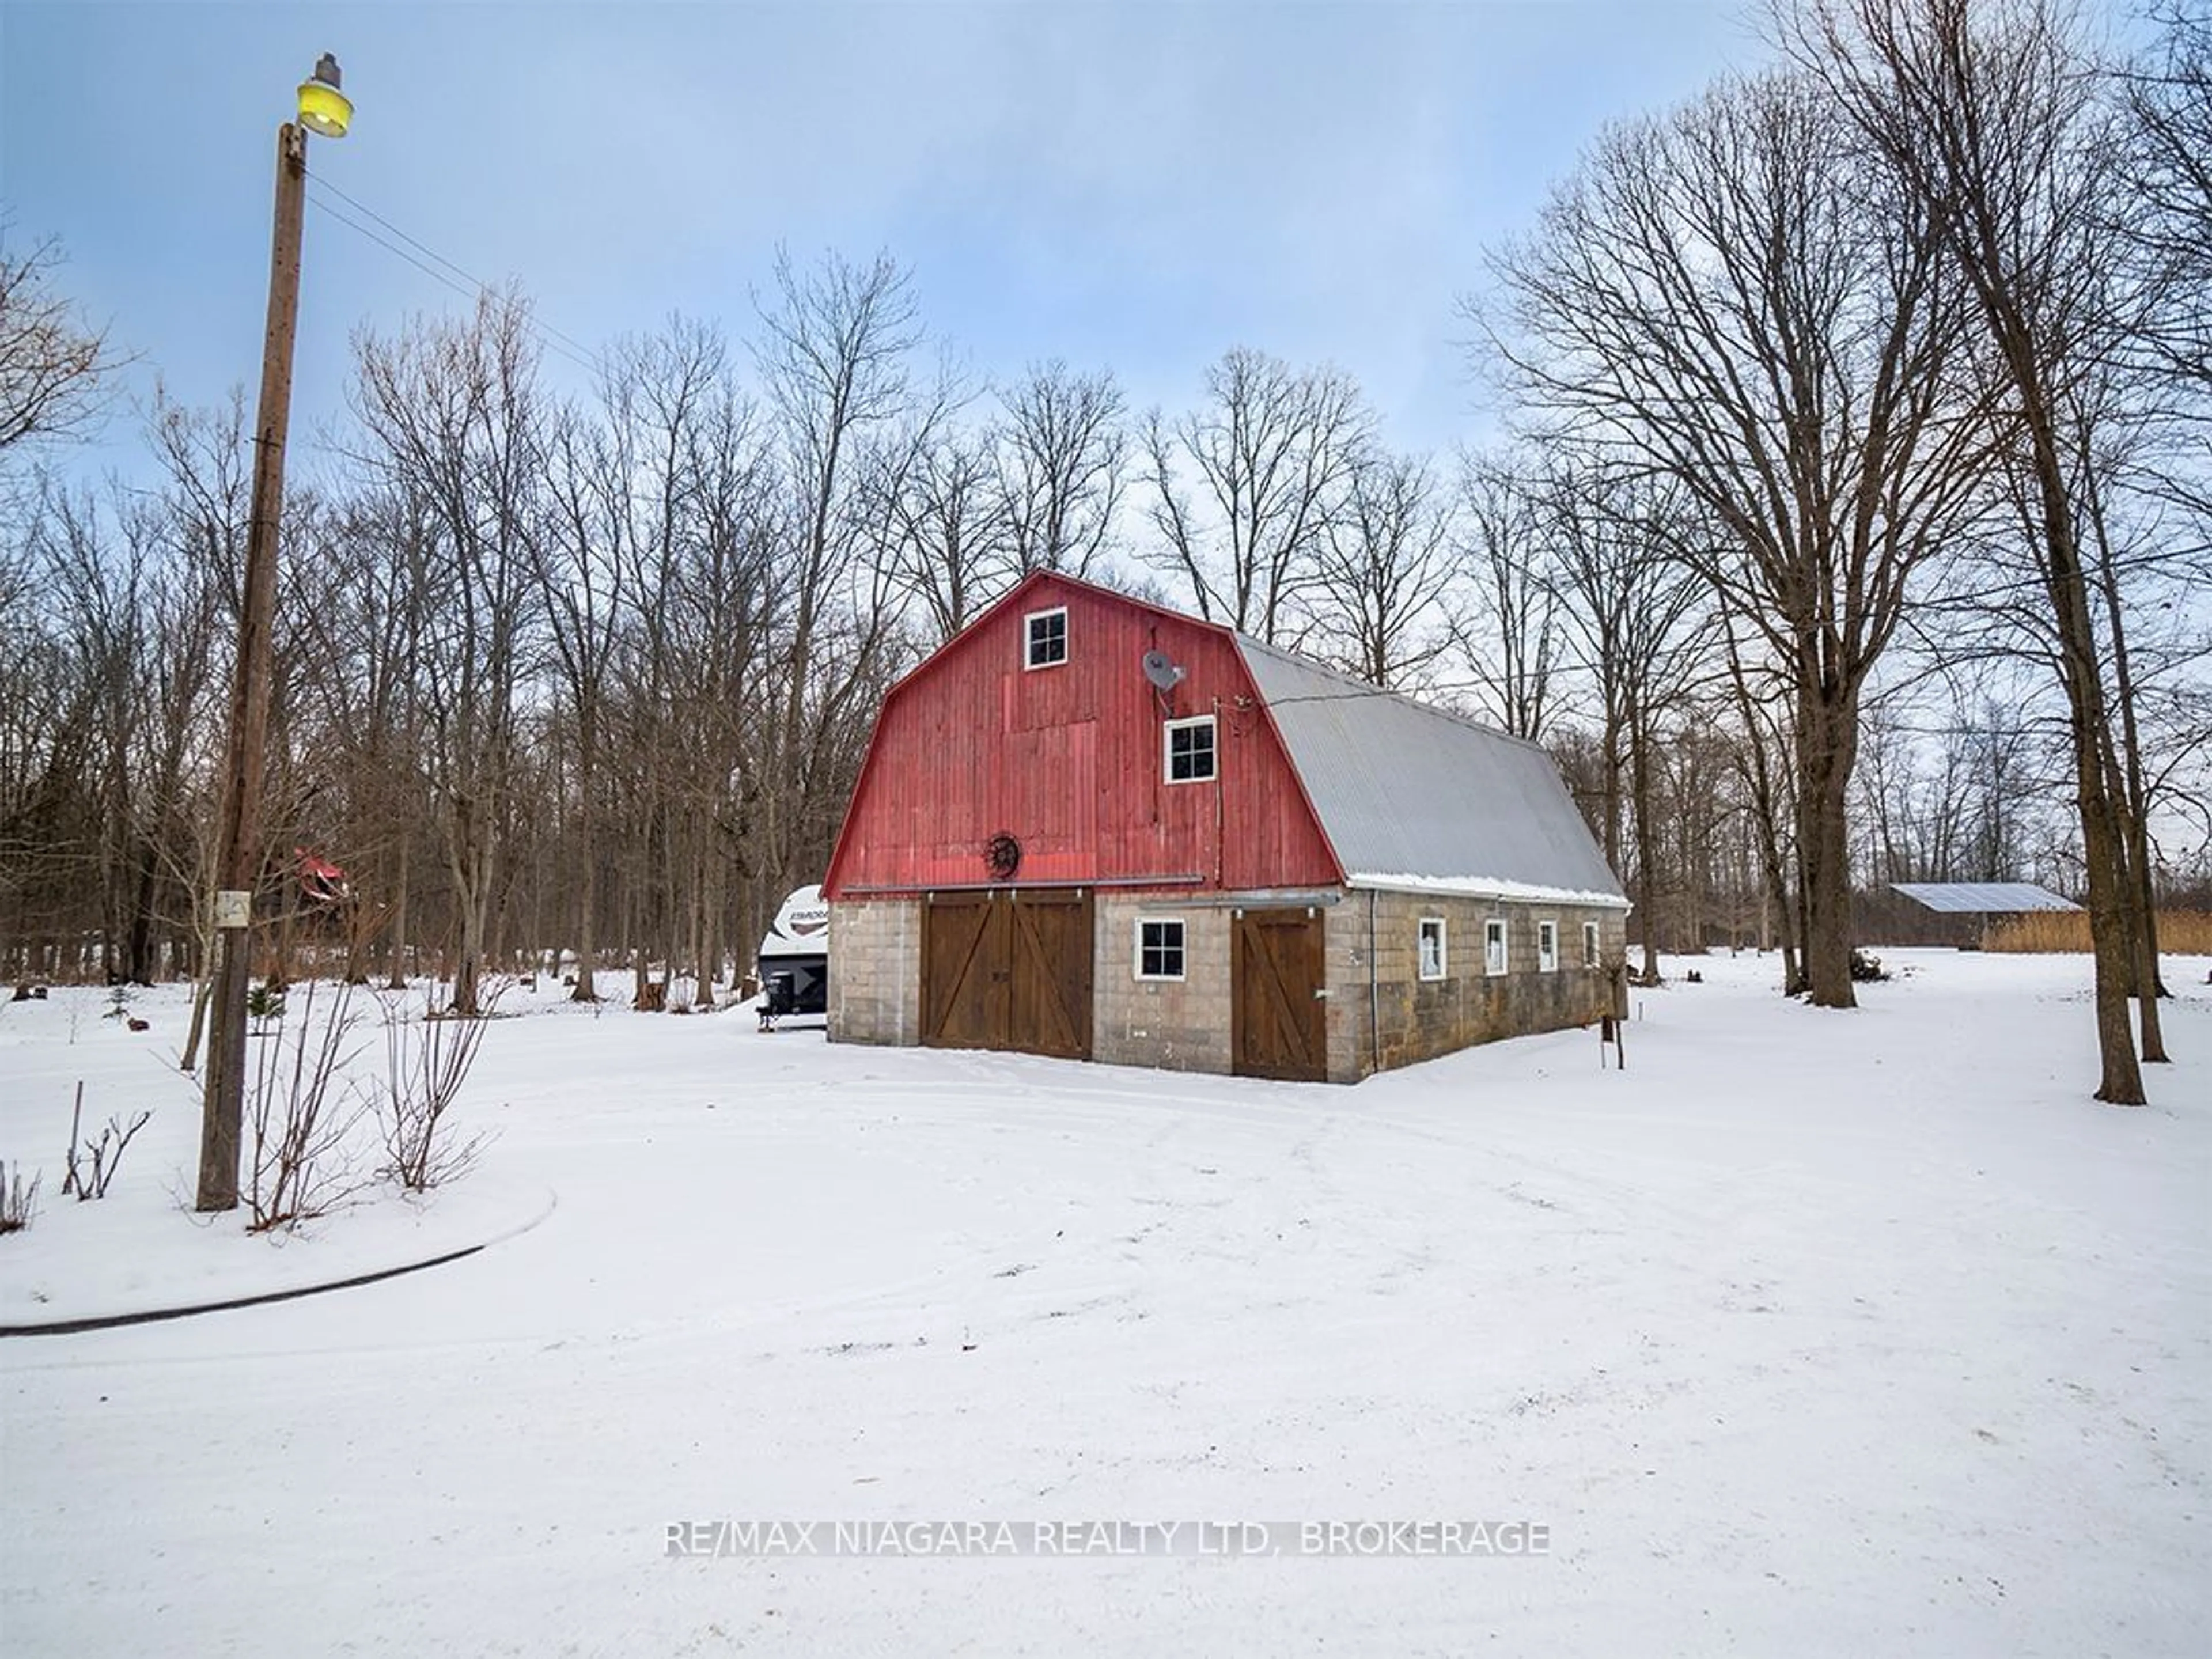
232,908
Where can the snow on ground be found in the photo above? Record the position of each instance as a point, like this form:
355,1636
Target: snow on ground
1829,1333
125,1254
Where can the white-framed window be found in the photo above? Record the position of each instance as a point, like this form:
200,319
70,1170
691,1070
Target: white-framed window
1493,945
1046,634
1589,945
1189,750
1547,947
1430,945
1160,947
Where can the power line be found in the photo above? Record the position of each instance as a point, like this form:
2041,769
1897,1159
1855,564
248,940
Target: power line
460,281
476,282
466,292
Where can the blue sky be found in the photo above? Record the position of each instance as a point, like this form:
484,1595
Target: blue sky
1136,187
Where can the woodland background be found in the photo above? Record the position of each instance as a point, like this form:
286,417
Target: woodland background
1847,524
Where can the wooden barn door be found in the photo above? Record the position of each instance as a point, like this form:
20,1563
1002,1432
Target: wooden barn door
1278,1024
1008,971
966,980
1051,1002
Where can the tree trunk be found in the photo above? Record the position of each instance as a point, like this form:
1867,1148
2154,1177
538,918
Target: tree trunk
1647,858
398,980
201,992
587,884
2102,839
138,965
702,985
1777,915
2126,785
288,926
2110,935
710,941
1828,741
470,896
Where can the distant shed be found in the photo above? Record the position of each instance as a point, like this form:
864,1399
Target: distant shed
1971,905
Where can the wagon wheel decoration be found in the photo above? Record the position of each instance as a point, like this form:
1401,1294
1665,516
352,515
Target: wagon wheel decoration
1002,856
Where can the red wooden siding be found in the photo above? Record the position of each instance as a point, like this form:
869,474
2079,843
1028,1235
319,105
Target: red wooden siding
1069,761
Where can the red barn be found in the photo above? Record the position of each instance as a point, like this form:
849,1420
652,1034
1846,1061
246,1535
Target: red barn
1093,828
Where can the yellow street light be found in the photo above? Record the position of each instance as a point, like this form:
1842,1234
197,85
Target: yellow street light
324,110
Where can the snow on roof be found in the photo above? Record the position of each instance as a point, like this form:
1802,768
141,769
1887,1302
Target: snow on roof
1982,897
1484,887
1402,787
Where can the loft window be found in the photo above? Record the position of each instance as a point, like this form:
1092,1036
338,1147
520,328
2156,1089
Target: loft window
1493,946
1589,945
1432,947
1190,749
1048,639
1159,948
1547,947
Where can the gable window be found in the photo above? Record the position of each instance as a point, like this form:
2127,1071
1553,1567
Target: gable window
1159,948
1432,938
1190,749
1048,639
1589,945
1493,945
1547,947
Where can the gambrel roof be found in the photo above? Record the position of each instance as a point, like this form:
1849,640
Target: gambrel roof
1411,796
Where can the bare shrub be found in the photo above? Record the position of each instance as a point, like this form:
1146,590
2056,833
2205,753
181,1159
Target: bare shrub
426,1063
300,1118
88,1172
18,1203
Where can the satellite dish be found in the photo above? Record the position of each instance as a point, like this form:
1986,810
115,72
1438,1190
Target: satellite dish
1161,670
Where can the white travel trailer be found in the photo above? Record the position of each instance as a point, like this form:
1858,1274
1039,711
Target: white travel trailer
794,959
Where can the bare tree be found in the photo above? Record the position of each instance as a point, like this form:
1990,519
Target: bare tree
1635,611
945,509
624,525
98,575
52,363
2161,213
1383,565
728,599
661,397
1768,763
1062,451
1242,488
1728,298
1508,634
2164,219
453,414
833,357
1987,114
206,460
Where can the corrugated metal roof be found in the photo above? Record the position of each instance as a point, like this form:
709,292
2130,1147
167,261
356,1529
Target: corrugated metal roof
1410,795
1982,897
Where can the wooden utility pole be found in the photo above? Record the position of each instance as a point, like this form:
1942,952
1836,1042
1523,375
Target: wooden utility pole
239,856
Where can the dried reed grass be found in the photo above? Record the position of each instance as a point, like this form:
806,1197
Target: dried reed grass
2180,932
